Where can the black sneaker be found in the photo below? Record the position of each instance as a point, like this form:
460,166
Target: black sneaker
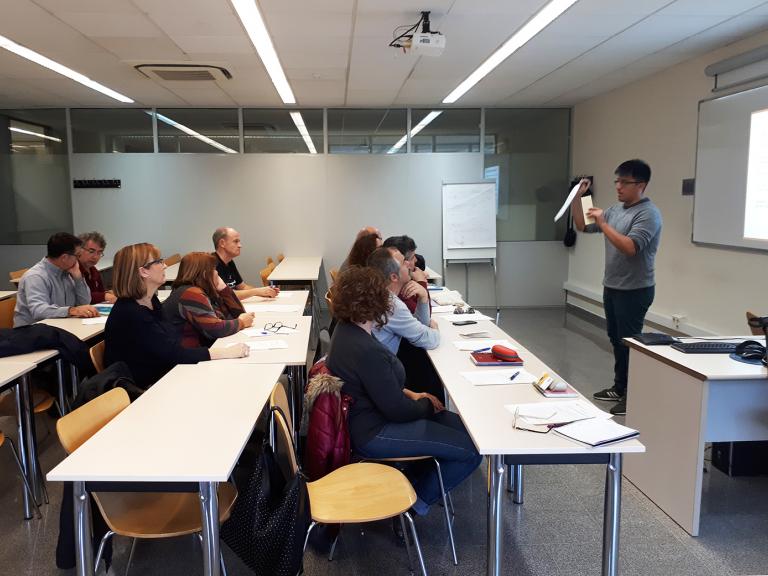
607,395
620,409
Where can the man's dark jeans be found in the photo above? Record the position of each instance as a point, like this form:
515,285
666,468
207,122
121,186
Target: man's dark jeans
624,313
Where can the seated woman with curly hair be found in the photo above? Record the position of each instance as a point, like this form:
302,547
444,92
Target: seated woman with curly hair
386,419
202,307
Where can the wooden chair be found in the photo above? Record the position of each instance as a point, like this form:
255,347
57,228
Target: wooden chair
270,261
23,474
139,514
754,329
280,257
334,274
97,356
16,275
7,306
354,494
173,259
265,272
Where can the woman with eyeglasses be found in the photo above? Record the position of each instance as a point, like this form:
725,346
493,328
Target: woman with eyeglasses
136,332
202,307
387,420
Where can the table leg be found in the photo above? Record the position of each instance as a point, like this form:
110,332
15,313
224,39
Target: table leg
495,486
62,392
27,420
612,516
209,510
22,408
75,380
83,531
517,472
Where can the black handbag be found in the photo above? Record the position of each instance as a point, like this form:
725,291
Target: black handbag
270,519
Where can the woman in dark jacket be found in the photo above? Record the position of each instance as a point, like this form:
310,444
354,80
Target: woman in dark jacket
136,332
387,420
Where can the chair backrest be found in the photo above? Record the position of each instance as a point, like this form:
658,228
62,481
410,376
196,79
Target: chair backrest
173,259
754,329
269,260
7,307
79,425
334,274
280,257
284,449
97,356
265,272
17,274
279,399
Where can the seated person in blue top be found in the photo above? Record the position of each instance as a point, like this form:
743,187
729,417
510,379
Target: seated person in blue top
386,419
136,332
405,334
227,246
407,247
54,287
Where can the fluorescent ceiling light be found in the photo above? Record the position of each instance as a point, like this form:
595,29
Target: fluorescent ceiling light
415,130
541,20
299,121
192,133
254,25
20,131
20,50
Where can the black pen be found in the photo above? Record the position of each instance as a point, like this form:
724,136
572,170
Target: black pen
515,375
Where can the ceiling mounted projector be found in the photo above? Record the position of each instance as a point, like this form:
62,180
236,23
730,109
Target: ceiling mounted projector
424,43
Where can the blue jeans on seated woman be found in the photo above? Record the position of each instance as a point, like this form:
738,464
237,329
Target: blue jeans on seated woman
442,436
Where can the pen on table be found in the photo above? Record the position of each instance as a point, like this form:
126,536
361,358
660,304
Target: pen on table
482,349
515,375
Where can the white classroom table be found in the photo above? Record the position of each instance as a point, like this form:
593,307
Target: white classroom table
489,424
7,294
75,326
432,276
16,374
681,401
171,272
296,268
159,439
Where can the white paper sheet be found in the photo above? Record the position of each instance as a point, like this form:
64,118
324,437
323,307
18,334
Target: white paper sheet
459,317
479,343
263,345
257,307
490,377
97,320
564,207
557,411
447,309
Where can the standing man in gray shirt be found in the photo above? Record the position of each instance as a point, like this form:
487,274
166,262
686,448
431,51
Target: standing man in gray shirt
632,230
54,287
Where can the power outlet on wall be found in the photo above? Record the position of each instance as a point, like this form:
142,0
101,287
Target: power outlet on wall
677,320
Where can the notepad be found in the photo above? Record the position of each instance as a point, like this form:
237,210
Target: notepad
498,377
597,432
263,345
586,204
97,320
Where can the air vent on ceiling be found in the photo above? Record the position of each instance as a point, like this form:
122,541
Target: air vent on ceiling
184,72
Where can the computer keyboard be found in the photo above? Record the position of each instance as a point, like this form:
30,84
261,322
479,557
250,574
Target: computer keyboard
705,347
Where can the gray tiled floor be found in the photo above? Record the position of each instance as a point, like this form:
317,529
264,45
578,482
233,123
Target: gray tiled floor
556,532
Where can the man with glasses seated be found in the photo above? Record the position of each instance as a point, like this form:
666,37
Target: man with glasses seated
632,230
92,251
54,287
227,246
407,247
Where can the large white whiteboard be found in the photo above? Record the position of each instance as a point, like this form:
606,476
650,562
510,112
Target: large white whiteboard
469,221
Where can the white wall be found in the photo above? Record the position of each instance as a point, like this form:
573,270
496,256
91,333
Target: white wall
656,119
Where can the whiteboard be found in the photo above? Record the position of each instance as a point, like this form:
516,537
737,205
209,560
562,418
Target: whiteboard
469,220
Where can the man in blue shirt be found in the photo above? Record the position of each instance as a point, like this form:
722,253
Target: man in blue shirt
632,230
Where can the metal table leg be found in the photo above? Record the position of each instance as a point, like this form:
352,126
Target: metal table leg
495,486
63,405
517,472
75,380
209,510
83,531
510,479
22,409
612,516
27,422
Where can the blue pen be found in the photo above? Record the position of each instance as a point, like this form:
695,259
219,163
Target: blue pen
515,375
481,350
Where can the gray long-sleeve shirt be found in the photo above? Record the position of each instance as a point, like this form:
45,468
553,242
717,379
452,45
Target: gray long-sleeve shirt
402,324
47,291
